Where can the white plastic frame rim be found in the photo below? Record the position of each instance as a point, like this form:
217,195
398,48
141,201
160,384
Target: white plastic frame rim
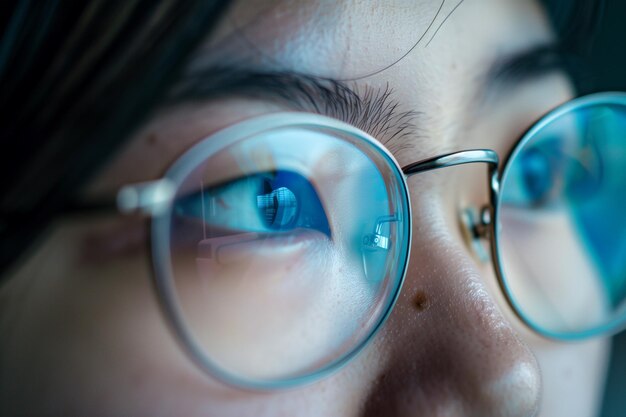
613,326
160,242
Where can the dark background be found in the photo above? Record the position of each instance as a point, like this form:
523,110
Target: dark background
607,55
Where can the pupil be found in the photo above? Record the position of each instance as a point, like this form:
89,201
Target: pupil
278,208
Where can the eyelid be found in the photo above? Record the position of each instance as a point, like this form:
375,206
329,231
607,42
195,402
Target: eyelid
532,63
238,206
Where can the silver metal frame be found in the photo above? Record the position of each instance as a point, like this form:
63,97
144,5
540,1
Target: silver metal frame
155,199
612,327
489,215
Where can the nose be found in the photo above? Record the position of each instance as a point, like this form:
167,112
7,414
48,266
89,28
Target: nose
448,350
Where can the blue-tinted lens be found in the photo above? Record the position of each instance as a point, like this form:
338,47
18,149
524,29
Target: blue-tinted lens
288,248
263,203
561,221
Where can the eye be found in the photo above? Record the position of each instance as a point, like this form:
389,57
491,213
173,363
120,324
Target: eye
547,174
536,176
278,201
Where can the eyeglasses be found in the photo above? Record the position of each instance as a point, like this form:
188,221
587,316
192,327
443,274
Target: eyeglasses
280,244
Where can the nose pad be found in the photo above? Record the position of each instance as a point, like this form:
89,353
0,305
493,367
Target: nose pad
475,230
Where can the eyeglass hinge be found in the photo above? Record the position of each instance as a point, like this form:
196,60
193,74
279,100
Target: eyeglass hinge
149,198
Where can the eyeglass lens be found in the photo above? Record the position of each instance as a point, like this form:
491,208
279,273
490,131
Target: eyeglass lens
562,221
288,248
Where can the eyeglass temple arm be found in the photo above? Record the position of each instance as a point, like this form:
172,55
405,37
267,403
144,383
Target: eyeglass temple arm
151,197
148,198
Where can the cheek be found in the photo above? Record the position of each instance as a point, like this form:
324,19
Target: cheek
569,370
277,309
88,338
576,371
92,337
283,303
571,292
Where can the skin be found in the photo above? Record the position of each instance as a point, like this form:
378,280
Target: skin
81,329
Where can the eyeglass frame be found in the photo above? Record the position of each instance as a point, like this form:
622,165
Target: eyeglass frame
155,200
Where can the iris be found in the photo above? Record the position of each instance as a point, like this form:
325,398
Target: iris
278,201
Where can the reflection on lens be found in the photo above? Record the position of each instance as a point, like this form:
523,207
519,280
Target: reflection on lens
561,228
288,248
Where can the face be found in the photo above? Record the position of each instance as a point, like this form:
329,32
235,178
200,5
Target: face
82,327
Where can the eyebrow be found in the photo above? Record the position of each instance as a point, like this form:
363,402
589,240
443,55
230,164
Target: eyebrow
370,109
373,110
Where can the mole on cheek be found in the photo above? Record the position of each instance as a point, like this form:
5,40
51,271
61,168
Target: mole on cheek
421,301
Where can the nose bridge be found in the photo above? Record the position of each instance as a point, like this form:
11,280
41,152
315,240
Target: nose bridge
464,355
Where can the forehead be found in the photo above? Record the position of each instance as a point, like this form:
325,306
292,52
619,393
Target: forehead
431,54
353,39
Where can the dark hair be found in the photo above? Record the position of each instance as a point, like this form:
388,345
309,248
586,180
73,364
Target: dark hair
577,24
576,21
77,80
